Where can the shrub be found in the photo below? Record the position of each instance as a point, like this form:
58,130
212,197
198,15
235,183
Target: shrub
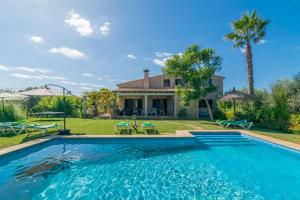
73,105
182,113
295,123
280,110
11,113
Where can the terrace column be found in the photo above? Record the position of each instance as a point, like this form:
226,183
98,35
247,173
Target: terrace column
176,103
146,105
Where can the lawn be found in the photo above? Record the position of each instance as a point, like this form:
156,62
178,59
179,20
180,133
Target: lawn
106,126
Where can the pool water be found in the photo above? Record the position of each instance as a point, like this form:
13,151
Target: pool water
212,166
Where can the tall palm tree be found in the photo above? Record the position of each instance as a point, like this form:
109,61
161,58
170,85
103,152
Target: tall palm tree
250,28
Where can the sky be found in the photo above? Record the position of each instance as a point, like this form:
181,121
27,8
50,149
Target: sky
84,45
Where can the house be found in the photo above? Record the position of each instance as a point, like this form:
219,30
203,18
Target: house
156,96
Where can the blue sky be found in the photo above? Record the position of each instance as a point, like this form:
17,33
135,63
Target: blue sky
85,45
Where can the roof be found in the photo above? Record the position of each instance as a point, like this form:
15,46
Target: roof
234,94
161,75
41,92
146,90
11,96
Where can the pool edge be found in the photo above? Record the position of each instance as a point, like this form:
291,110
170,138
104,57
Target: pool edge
18,147
178,134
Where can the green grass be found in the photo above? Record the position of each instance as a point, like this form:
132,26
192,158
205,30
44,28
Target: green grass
105,126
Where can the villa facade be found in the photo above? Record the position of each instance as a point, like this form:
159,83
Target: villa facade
156,96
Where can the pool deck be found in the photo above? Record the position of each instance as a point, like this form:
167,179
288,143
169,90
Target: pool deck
178,134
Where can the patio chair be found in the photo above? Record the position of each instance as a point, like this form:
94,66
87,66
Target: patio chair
148,126
120,126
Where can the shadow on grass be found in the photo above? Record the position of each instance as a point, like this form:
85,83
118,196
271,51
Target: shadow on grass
30,136
8,134
47,120
132,132
271,131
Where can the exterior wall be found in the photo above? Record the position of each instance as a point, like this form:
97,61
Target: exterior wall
122,100
132,84
170,102
192,109
156,82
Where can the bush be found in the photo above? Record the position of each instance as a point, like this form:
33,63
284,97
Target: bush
11,113
270,110
73,105
182,113
295,123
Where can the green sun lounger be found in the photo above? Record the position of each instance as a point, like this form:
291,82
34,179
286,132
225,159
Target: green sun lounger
10,126
120,126
19,128
148,126
43,128
241,123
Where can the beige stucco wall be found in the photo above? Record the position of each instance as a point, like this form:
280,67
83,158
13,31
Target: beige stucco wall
170,102
157,82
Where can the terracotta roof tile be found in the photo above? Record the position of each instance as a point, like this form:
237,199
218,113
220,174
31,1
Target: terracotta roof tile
146,90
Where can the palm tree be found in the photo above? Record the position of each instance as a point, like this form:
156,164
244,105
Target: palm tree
250,28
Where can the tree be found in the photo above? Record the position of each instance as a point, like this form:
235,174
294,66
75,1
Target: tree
250,28
103,101
195,68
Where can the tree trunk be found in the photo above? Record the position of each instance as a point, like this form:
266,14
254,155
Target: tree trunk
209,110
249,64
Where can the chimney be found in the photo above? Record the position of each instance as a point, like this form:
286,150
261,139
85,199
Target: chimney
146,78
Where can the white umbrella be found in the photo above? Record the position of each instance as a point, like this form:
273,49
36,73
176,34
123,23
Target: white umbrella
41,92
11,96
47,91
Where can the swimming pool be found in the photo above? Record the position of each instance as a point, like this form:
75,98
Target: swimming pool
209,166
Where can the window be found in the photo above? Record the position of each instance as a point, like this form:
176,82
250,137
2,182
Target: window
202,103
167,83
210,82
178,81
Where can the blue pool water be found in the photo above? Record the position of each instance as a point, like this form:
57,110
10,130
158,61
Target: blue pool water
212,166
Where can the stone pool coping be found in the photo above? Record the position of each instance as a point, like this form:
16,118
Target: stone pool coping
178,134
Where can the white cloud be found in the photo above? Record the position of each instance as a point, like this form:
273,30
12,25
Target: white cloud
162,54
30,69
69,82
91,85
262,41
53,77
71,53
37,39
25,76
87,75
86,88
24,69
105,28
160,62
161,58
243,50
99,78
4,68
80,24
131,56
